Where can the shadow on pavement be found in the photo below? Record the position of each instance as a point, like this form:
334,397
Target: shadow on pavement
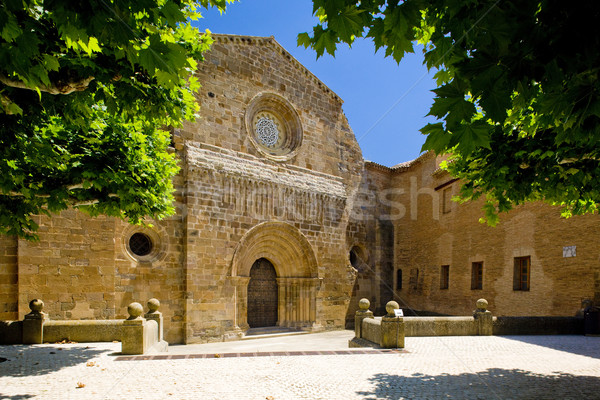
23,360
16,396
494,383
588,346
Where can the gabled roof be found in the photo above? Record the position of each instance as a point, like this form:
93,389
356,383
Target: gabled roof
270,41
402,166
418,160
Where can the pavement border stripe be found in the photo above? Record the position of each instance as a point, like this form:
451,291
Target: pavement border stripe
263,354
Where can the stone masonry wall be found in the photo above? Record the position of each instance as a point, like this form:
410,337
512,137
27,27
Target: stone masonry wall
71,267
370,233
161,277
82,267
230,187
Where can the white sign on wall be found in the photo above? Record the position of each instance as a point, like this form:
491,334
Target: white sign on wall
569,251
398,312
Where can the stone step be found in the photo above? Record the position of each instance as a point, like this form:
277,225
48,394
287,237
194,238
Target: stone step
270,332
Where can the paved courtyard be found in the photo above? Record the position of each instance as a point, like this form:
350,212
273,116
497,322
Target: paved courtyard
493,367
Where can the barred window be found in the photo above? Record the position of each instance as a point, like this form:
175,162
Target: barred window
522,273
445,277
477,275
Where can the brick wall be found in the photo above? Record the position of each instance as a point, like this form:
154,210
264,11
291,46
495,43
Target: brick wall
433,236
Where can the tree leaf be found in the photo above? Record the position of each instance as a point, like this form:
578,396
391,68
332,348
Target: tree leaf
347,23
438,138
468,137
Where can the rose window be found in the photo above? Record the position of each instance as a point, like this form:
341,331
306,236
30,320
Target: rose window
267,131
273,126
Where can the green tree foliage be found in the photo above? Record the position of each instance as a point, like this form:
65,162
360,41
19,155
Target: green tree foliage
518,96
88,90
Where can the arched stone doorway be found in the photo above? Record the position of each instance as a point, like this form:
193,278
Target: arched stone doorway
295,264
262,294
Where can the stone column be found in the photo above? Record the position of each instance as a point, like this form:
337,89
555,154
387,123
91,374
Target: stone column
133,331
296,303
289,305
305,301
314,285
33,323
483,318
361,314
240,284
282,317
392,328
154,314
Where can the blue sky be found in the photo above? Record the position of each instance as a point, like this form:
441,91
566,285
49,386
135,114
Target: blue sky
385,103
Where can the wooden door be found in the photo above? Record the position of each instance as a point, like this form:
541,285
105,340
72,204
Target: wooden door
262,295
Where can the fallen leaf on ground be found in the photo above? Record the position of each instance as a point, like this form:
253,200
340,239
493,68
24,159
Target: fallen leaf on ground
80,385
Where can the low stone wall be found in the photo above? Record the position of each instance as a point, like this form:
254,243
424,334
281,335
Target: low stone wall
83,331
386,332
137,334
441,326
389,331
371,329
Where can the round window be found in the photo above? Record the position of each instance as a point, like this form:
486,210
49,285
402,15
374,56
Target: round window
273,126
140,244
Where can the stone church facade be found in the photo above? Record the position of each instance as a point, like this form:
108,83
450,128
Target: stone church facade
281,222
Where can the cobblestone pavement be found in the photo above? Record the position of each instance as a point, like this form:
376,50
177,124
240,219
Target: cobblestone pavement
492,367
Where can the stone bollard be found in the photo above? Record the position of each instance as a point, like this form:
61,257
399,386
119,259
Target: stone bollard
483,318
392,328
133,333
154,314
361,314
33,323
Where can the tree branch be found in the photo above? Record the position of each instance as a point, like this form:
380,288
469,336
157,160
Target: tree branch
574,160
83,203
18,194
74,202
59,87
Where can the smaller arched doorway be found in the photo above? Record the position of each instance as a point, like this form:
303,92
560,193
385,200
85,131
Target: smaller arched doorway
262,294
